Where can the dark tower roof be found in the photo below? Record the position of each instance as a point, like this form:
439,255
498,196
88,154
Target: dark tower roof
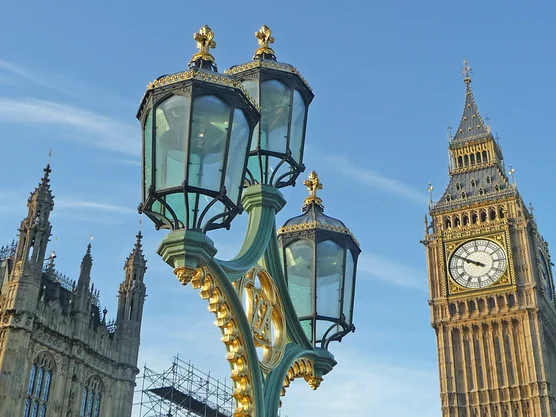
42,193
471,126
476,169
136,256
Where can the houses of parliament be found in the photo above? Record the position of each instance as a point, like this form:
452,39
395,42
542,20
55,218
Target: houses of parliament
59,357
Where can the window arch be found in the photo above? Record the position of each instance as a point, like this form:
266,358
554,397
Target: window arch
92,396
38,388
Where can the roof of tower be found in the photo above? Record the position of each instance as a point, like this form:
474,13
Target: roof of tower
87,258
471,126
137,252
43,189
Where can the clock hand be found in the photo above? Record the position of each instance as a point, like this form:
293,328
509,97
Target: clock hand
469,261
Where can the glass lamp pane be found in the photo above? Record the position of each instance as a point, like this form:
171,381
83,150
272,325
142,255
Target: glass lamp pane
330,266
299,273
209,133
348,287
171,133
43,411
236,156
147,162
27,408
307,327
252,87
297,126
275,115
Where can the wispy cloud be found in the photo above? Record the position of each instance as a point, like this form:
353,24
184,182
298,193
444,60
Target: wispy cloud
81,125
65,204
19,71
124,161
391,271
375,180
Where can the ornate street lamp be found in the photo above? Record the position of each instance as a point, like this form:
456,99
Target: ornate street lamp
276,156
320,260
197,130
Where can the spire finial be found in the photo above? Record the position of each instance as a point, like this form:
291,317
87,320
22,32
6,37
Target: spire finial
205,42
50,155
313,184
512,172
430,189
466,72
449,131
264,38
89,245
531,209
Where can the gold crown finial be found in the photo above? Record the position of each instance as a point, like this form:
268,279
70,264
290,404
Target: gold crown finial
264,38
205,42
466,72
313,184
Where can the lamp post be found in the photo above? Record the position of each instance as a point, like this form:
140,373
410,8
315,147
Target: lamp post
214,145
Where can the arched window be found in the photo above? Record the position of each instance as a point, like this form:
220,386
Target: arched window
478,157
472,159
492,214
92,395
485,156
483,216
460,161
38,389
488,180
466,160
474,217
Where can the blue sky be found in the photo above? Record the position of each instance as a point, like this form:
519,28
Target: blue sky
386,77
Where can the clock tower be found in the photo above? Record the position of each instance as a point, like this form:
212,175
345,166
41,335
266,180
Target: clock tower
491,285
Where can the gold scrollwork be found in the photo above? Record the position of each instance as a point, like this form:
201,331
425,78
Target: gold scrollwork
302,368
241,375
265,313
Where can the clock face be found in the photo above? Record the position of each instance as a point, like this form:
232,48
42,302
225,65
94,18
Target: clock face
478,263
545,273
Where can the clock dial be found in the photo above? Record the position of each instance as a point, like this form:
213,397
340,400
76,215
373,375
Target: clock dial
545,273
478,263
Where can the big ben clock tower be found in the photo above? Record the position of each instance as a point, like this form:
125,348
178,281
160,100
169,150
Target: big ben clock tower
491,285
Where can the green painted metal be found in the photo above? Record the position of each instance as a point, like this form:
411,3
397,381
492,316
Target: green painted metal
186,248
261,202
193,249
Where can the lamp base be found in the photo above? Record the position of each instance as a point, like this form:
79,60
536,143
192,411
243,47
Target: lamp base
186,249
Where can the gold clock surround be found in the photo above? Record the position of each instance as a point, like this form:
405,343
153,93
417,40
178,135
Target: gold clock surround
507,279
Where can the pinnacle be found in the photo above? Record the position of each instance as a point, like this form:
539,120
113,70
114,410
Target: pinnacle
88,257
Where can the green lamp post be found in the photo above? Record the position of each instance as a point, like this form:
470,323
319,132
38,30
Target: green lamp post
214,145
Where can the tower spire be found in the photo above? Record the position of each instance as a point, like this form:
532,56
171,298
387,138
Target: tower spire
471,125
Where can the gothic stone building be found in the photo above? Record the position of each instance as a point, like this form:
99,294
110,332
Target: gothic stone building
491,286
58,355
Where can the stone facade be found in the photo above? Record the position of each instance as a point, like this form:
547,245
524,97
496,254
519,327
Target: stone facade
58,355
496,329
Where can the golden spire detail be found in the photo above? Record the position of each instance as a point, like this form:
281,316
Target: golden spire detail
466,72
313,184
264,38
205,42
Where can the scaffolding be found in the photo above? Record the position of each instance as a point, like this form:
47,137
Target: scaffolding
183,391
